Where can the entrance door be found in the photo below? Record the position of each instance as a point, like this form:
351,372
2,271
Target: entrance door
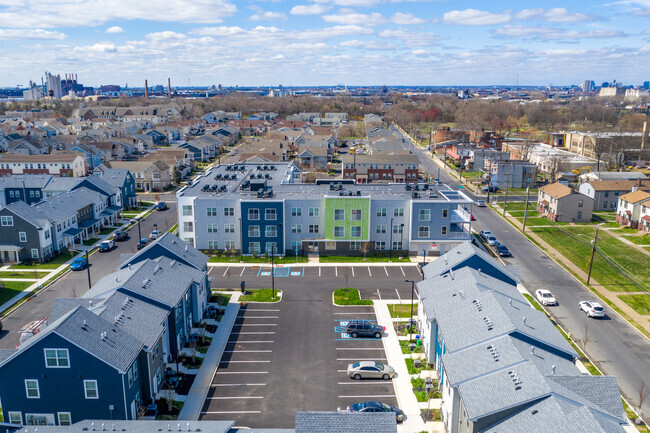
134,414
312,247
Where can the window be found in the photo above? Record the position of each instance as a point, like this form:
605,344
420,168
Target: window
330,245
397,245
296,228
212,211
398,228
425,215
90,389
314,211
64,418
355,246
11,193
16,418
381,212
212,228
271,247
380,246
31,386
187,210
130,375
444,213
580,202
213,245
381,228
579,214
229,211
7,221
355,232
606,193
296,211
57,358
271,231
356,215
339,231
339,215
294,245
135,369
423,232
254,231
270,215
253,214
230,245
398,212
22,236
189,241
443,230
254,247
188,226
313,228
229,228
34,253
605,204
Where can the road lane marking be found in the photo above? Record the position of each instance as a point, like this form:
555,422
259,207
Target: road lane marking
252,333
247,351
224,412
319,271
379,294
226,271
237,384
336,270
402,269
357,359
386,270
352,267
369,271
242,271
398,296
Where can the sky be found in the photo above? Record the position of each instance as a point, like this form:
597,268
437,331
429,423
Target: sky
325,42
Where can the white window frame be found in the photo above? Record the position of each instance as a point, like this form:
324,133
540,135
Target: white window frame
188,226
356,215
443,230
213,228
255,227
212,211
22,236
96,390
354,228
381,212
296,228
256,250
13,414
314,228
229,211
270,214
56,352
426,213
185,210
58,416
420,231
253,214
296,211
7,221
229,228
314,211
271,231
380,245
380,228
355,245
342,212
38,390
398,212
342,235
213,245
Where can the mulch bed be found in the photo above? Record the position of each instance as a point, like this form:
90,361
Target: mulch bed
184,383
211,328
430,415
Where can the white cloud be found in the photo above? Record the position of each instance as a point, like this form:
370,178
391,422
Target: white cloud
554,15
419,52
548,33
73,13
99,47
218,31
351,18
313,9
368,45
475,17
268,15
642,12
30,34
115,29
405,19
359,3
166,35
410,38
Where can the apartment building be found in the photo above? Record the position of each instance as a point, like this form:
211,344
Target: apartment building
559,202
381,168
606,192
57,163
511,173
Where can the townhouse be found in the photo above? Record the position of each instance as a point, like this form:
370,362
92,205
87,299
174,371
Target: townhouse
631,208
256,208
148,175
381,168
559,202
122,180
205,147
607,192
57,163
25,187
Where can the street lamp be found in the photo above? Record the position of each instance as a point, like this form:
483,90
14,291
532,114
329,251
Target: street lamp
241,241
412,299
401,236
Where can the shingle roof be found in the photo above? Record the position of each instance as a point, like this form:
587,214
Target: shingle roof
63,306
635,197
115,176
557,190
67,204
26,180
175,248
29,213
599,392
345,422
617,185
139,426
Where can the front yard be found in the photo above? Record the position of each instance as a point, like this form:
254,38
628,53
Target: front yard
370,258
9,289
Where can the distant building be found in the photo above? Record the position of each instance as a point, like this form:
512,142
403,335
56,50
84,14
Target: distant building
586,86
611,91
511,173
53,85
559,202
58,163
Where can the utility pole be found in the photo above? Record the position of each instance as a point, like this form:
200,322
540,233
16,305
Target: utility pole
139,231
593,252
505,199
412,300
523,228
272,273
88,269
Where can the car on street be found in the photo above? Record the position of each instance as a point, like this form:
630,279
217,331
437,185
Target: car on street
155,234
370,370
375,407
502,250
491,240
120,236
545,297
106,246
79,264
484,234
491,189
436,180
592,309
363,328
479,203
142,243
161,205
233,152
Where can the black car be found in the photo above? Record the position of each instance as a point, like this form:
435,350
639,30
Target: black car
377,406
143,243
363,328
492,189
502,250
120,236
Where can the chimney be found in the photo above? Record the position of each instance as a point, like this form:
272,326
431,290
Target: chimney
553,369
146,90
644,134
169,88
524,320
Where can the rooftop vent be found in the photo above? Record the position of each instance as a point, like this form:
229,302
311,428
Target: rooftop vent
478,304
494,352
488,322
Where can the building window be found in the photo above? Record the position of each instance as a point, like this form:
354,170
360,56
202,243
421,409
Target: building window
57,358
212,228
296,211
213,245
272,247
381,212
397,245
187,210
130,376
339,231
606,193
271,231
423,232
339,215
229,228
579,214
253,214
398,212
212,211
313,228
189,241
7,221
425,215
355,246
34,253
381,228
443,230
31,387
580,202
356,215
380,246
16,418
254,247
229,211
64,418
270,215
230,245
330,245
294,245
90,389
355,232
314,211
398,228
254,231
296,228
22,236
445,213
188,226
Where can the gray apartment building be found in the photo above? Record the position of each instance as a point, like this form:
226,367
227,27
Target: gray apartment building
511,173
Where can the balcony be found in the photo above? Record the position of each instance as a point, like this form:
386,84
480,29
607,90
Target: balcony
460,215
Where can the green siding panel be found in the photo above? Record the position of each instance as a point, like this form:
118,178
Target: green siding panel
347,204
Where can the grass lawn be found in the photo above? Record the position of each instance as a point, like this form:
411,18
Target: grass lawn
402,310
360,259
260,295
520,205
23,274
11,289
579,252
220,298
539,221
55,263
517,213
404,344
534,303
626,231
349,296
604,216
639,240
91,241
640,303
611,225
249,259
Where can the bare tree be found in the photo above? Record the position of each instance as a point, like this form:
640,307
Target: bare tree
526,149
346,276
556,165
365,247
169,395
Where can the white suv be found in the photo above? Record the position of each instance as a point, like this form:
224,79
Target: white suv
592,308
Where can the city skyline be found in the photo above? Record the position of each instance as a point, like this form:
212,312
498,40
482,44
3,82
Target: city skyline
326,42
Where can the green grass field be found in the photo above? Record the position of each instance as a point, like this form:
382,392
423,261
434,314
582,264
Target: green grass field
402,310
260,295
640,303
58,261
520,205
11,289
23,274
360,259
248,259
349,296
639,240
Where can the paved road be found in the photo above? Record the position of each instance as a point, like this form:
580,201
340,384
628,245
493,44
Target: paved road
613,344
75,284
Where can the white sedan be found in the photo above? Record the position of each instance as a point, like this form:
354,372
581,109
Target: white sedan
545,297
592,308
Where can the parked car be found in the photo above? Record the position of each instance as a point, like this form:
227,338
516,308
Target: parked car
161,205
233,152
479,203
155,234
545,297
592,309
491,240
363,328
485,233
106,246
376,406
492,189
142,243
370,370
79,264
120,236
502,250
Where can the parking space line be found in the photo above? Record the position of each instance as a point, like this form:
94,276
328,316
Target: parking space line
360,348
239,362
352,267
242,271
369,271
228,398
237,384
242,372
367,396
398,296
257,317
303,272
259,309
247,351
369,312
379,294
336,270
252,333
226,271
386,270
358,382
259,270
402,269
357,359
247,342
230,411
255,324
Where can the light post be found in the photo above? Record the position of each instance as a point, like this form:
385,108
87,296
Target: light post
401,236
241,241
424,260
391,241
88,269
272,272
412,299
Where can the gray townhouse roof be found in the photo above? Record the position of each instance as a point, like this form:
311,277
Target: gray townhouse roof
176,248
67,204
600,393
6,353
29,213
345,422
26,180
115,177
63,306
100,183
460,254
62,184
139,426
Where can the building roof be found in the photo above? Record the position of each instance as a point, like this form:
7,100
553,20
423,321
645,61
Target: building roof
29,213
26,180
115,176
635,197
345,422
172,247
557,190
619,185
139,426
616,175
67,204
56,156
138,166
380,158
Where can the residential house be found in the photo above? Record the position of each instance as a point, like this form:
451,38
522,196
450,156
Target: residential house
27,188
58,163
644,216
92,153
228,133
606,192
559,202
28,146
221,116
122,179
613,175
372,120
270,116
148,175
384,144
479,155
315,158
511,173
110,150
178,156
250,127
159,138
26,234
204,147
381,167
628,210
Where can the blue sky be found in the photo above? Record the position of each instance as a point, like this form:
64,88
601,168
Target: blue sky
325,42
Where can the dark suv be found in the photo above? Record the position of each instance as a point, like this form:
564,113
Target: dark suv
363,328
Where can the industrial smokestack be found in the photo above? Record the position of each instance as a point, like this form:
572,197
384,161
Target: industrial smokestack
169,88
75,78
146,90
644,136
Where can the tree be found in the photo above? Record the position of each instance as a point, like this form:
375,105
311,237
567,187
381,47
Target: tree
346,276
169,395
556,165
526,149
365,247
176,175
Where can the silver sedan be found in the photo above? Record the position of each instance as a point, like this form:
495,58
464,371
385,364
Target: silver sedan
370,370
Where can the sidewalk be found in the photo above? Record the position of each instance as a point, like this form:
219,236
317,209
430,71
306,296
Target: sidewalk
429,259
201,386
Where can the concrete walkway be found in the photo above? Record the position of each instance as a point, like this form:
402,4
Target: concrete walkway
201,386
416,260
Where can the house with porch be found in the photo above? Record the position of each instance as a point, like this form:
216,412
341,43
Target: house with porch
25,234
315,158
559,202
148,175
630,206
123,181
